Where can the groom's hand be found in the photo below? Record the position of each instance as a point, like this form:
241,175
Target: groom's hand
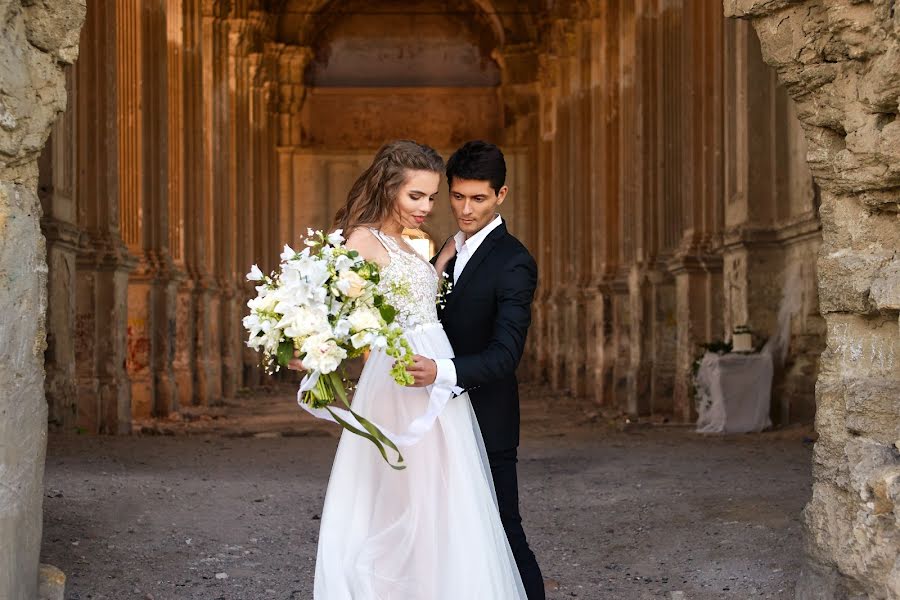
423,370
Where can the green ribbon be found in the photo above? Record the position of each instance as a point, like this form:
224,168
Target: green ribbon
372,433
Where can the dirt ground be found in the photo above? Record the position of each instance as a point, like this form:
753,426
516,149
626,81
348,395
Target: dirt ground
224,504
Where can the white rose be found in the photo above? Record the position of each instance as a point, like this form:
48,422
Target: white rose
350,283
321,353
364,318
300,322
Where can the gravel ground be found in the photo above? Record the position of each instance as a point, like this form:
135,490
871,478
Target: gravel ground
225,505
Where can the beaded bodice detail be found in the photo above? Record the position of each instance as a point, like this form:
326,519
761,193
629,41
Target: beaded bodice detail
409,284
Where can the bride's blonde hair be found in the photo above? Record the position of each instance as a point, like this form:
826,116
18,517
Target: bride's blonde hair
372,197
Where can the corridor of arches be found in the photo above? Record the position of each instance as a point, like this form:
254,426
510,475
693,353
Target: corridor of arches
657,173
673,187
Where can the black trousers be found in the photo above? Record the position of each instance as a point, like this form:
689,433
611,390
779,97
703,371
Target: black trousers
503,468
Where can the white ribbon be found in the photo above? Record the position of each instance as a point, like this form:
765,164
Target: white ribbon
438,396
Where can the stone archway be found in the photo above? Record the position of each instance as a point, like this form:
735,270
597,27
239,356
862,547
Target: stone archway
840,62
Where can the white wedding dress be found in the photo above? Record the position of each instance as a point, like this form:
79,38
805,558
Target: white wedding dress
431,531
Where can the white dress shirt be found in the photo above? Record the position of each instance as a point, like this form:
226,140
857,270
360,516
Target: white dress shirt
465,249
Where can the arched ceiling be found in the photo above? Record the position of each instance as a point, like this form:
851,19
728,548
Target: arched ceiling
507,21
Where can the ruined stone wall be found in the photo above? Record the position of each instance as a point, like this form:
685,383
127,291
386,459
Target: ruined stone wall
840,62
38,39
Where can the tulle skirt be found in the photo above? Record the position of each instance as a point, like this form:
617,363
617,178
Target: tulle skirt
429,532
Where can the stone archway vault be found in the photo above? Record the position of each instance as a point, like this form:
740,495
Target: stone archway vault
839,61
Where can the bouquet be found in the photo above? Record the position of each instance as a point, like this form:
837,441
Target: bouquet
323,305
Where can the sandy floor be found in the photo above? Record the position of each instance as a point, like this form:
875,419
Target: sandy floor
228,508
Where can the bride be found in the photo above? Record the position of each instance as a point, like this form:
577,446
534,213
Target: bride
431,531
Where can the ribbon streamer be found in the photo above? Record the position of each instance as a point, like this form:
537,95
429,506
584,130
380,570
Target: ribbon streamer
438,396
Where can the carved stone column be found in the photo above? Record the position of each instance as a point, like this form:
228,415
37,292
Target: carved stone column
59,226
103,263
180,91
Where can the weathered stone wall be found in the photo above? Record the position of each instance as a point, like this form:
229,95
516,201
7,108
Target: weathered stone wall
38,38
840,62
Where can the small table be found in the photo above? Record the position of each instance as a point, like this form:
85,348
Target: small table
734,392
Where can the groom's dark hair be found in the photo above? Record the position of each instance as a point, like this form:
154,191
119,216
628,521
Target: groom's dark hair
478,160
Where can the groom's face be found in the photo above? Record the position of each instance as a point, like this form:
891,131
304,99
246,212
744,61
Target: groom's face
474,203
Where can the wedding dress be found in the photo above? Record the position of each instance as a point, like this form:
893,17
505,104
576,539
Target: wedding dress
431,531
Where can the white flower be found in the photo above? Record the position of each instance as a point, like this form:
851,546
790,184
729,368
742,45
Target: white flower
263,303
288,253
343,262
362,339
380,342
342,328
301,321
350,283
255,274
364,318
335,238
322,354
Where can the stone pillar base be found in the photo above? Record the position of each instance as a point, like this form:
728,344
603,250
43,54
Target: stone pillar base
51,583
817,582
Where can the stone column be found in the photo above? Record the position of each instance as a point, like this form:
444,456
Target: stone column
103,265
235,232
211,40
181,176
606,170
39,40
852,519
696,263
160,186
143,196
545,323
59,225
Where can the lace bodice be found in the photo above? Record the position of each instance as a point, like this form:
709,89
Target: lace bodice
409,283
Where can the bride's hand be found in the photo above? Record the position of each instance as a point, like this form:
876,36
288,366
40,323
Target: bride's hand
423,370
446,255
295,364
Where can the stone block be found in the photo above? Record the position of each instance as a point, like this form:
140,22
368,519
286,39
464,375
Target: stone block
885,290
873,408
52,584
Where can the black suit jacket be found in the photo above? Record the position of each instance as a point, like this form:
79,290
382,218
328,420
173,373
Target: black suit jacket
486,317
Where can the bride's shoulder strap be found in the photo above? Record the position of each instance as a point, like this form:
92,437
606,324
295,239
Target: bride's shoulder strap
369,244
389,244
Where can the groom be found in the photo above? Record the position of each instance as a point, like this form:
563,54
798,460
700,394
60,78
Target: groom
486,316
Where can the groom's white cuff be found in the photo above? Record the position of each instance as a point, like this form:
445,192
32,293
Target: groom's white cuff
446,372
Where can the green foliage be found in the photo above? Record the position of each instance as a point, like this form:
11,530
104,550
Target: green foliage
285,352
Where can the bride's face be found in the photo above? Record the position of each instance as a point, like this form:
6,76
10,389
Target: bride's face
415,199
